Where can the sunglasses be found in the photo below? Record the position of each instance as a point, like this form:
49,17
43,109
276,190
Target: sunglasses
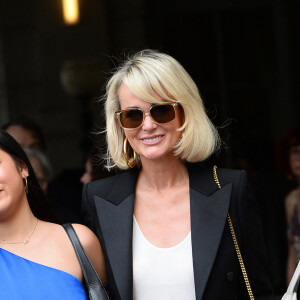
133,118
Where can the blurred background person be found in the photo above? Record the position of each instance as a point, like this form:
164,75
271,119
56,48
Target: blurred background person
94,167
288,154
87,175
26,132
41,166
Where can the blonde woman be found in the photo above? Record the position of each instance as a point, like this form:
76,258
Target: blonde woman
163,224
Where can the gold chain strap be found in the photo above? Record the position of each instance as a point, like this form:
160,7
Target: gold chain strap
236,245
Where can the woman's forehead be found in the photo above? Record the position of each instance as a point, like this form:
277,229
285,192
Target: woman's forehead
5,156
127,94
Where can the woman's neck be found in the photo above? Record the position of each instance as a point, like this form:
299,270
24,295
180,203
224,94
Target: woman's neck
162,174
16,226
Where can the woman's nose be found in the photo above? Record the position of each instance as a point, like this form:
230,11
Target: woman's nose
148,124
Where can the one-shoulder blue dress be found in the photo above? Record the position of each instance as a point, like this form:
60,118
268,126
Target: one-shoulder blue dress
22,279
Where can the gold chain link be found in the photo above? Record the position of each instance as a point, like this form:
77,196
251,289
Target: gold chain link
236,245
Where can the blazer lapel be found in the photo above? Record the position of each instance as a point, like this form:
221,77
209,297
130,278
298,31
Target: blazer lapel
208,217
116,226
115,214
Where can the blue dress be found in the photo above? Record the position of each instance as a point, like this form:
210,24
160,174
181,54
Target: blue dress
22,279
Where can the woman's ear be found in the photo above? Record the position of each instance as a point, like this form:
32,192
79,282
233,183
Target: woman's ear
23,169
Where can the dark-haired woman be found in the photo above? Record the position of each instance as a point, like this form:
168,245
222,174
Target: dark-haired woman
163,223
37,260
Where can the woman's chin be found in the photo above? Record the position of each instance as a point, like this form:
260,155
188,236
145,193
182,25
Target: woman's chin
156,156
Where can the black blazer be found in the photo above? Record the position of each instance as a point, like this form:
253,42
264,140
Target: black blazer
108,211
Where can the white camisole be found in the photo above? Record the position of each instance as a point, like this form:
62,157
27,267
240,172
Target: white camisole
162,273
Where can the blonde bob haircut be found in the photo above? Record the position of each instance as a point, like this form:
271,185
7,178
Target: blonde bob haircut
149,74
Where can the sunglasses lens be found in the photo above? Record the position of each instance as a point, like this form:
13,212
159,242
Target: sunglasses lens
131,118
163,113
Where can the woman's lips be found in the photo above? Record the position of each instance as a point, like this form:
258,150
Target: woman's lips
152,139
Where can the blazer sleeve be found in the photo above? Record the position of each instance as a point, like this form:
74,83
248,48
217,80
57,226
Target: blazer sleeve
252,243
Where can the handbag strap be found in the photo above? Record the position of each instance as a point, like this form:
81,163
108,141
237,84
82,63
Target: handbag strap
236,245
93,282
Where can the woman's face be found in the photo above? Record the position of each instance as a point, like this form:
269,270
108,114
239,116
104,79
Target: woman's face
11,184
87,175
151,141
295,160
23,136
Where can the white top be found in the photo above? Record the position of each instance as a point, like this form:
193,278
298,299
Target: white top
162,273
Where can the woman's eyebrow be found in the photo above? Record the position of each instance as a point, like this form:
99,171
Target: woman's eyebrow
129,107
152,104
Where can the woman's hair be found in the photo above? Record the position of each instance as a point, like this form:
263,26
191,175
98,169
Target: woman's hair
152,76
36,197
284,144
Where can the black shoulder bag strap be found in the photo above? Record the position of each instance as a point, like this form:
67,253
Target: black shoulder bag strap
93,282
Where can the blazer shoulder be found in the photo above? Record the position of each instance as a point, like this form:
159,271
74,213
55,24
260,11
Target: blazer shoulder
231,175
114,186
202,178
101,186
238,178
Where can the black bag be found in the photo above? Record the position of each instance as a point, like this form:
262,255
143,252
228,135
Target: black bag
94,284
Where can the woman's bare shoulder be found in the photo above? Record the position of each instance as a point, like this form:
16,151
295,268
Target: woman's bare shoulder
92,248
86,236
